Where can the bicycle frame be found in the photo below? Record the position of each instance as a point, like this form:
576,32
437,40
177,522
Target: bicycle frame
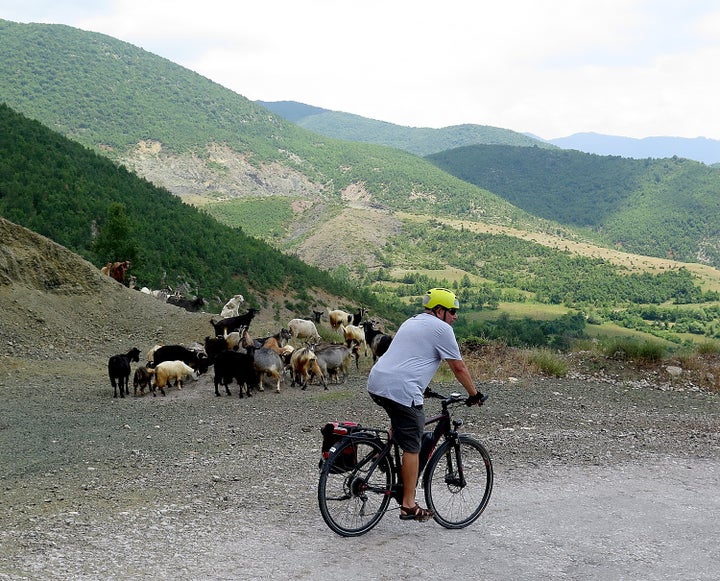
446,427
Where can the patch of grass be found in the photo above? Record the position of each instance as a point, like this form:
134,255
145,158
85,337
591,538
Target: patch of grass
259,217
708,348
334,396
549,363
629,348
328,335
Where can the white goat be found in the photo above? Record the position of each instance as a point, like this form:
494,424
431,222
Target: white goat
339,317
169,371
303,329
354,333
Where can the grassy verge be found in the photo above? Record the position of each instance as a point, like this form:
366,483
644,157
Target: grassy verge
615,359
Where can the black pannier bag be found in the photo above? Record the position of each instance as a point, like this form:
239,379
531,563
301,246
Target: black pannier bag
332,433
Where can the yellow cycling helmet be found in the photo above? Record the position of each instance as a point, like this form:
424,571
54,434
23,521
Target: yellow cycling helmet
441,297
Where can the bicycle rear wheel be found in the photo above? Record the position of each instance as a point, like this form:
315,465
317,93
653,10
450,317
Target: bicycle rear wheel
458,482
354,489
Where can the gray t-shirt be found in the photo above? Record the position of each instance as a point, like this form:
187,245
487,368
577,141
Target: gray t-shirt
405,370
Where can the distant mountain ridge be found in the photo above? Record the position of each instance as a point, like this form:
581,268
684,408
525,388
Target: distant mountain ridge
427,141
418,140
699,148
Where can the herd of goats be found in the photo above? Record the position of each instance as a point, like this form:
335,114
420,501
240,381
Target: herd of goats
237,356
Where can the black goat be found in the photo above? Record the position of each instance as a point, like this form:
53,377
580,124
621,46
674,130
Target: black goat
214,346
376,339
357,317
192,305
119,371
236,365
231,324
315,316
198,361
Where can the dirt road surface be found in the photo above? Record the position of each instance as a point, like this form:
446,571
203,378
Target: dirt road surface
191,486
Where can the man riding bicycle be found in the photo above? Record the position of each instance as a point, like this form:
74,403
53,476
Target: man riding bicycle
398,380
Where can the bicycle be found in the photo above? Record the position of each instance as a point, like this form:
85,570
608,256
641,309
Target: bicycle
362,475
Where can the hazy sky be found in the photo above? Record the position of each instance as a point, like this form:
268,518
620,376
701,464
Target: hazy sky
548,67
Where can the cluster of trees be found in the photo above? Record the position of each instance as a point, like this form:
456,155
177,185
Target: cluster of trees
559,333
545,274
666,322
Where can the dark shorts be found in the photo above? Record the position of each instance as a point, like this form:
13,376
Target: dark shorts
407,423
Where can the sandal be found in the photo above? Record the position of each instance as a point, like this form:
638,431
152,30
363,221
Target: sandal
415,513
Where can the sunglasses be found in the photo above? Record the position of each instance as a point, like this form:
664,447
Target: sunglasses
452,311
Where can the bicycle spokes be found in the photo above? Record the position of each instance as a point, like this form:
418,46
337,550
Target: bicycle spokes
353,500
458,482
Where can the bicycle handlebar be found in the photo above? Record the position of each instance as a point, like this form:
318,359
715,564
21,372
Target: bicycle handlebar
454,397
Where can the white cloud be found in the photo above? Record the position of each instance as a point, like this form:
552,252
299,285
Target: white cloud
551,67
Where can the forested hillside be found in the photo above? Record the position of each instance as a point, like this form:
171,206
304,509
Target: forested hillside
657,207
123,101
102,212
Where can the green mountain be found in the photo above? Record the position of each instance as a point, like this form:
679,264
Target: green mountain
381,219
119,99
417,140
655,207
66,192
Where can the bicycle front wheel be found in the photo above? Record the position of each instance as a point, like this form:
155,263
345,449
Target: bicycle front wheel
458,482
355,488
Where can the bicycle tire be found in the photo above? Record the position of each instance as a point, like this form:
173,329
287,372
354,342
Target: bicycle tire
352,501
457,504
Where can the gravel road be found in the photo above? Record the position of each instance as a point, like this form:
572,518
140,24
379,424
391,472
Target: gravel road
593,481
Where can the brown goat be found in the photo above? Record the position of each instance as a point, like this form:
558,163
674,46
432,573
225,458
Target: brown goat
116,270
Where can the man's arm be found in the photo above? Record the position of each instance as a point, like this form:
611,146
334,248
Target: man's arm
462,374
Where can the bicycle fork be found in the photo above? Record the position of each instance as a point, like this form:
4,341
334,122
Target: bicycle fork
454,473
